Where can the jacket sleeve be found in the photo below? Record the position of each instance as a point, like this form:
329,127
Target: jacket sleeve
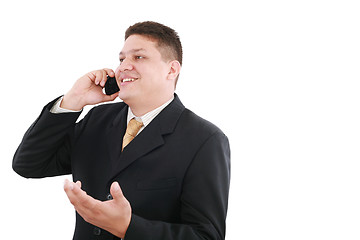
204,199
45,148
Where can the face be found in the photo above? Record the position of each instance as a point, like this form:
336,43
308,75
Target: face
143,75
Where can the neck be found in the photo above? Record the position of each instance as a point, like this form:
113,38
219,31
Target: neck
140,108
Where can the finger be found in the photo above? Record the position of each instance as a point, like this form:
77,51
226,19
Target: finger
104,78
112,97
68,185
116,191
85,205
79,195
109,72
92,76
76,195
97,76
69,190
78,183
100,76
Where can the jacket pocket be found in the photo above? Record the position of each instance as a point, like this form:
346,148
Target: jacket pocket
157,184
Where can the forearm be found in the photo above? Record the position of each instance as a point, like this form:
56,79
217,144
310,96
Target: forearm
141,228
43,149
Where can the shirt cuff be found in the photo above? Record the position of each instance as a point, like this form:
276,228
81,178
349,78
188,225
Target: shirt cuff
57,109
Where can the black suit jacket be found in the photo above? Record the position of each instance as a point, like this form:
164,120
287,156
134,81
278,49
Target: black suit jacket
175,173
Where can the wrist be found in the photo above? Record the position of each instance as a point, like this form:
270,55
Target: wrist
72,102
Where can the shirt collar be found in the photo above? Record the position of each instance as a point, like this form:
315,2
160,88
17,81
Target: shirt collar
147,117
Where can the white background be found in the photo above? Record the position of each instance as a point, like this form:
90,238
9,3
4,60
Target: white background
280,78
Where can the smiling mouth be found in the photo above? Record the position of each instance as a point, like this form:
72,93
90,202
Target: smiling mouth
128,80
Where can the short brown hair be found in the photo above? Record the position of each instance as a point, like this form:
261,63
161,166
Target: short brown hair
167,39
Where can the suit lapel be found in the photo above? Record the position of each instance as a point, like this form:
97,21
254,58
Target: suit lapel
115,133
150,138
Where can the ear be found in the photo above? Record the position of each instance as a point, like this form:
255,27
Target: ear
174,69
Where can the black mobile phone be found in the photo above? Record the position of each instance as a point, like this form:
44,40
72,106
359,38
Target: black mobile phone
111,86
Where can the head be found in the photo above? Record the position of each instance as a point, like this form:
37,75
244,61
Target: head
150,60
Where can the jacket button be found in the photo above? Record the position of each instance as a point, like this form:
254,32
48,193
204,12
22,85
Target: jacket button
109,197
97,231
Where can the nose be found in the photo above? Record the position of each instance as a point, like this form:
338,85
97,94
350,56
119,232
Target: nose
126,65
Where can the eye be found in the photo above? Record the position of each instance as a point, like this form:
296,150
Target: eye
139,57
121,60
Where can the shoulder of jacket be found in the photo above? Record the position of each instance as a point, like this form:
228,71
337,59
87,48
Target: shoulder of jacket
198,123
104,112
108,107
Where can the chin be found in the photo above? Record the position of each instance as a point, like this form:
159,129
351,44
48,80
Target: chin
127,98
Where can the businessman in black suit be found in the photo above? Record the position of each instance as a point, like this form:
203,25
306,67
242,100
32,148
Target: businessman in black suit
173,169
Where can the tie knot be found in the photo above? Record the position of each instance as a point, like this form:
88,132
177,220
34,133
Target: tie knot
134,127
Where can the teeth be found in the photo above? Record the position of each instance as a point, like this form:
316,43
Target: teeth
128,80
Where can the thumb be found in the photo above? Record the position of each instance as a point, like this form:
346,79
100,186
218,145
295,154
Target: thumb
116,191
108,98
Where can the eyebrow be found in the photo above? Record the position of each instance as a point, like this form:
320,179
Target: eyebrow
133,51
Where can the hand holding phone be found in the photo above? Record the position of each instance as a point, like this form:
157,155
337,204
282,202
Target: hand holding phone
111,86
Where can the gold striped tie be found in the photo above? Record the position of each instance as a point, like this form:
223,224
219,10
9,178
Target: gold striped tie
132,129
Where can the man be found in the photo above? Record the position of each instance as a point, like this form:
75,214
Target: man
174,169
